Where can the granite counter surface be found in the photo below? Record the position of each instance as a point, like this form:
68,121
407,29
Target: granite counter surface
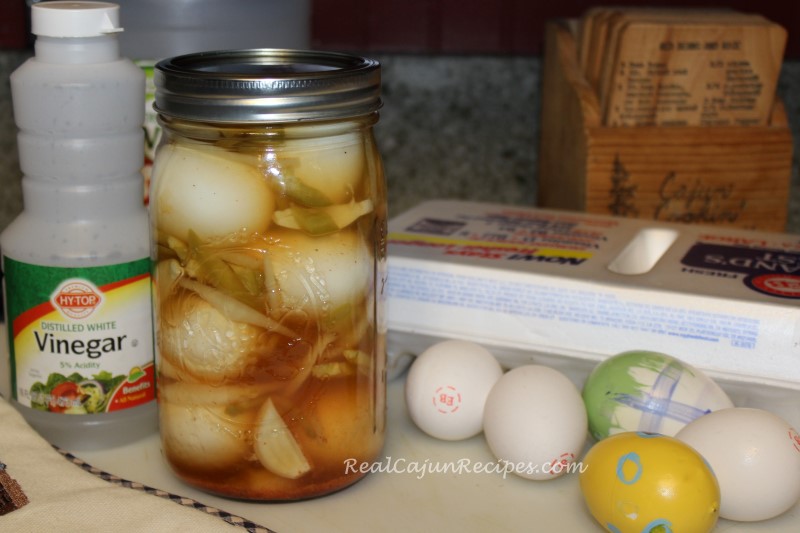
463,127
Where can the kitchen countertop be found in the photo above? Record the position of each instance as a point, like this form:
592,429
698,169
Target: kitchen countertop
400,498
405,491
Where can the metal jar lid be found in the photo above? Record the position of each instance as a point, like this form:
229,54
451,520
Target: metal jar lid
266,85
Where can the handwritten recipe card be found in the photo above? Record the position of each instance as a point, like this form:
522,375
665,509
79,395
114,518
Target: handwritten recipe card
670,67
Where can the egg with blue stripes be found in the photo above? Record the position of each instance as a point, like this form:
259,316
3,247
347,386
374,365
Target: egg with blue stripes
638,482
648,391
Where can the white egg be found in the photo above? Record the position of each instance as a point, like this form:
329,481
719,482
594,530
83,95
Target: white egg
202,437
332,164
535,422
321,273
208,192
447,386
756,457
196,337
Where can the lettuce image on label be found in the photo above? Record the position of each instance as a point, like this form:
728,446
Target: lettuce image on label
78,394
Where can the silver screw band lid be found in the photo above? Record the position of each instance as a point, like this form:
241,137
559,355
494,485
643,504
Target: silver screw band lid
266,85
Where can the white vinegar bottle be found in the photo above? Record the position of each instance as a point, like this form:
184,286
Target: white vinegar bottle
76,261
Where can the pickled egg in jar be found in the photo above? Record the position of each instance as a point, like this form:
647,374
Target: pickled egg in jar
268,217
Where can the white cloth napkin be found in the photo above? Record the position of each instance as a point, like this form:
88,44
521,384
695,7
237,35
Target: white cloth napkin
65,497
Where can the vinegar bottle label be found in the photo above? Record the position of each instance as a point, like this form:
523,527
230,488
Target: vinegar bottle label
80,339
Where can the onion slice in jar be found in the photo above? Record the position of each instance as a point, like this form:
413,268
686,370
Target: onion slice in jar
302,194
334,369
168,272
274,301
233,309
324,220
275,446
202,394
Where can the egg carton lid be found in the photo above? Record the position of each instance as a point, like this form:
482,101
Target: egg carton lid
534,286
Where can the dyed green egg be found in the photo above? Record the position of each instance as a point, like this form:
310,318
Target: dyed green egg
648,391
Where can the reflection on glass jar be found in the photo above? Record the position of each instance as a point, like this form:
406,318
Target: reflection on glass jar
269,221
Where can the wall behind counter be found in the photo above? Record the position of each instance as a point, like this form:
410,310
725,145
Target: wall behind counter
452,126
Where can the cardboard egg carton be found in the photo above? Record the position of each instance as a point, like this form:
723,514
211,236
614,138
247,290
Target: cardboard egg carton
569,289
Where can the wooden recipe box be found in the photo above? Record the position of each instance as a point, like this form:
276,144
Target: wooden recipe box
723,175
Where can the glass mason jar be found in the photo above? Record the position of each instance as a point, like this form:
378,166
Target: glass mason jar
268,213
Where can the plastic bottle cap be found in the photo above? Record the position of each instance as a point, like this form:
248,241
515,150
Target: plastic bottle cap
65,18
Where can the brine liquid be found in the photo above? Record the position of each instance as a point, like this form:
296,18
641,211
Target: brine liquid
356,436
270,347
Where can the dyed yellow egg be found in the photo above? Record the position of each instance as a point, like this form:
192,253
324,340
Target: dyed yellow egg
644,482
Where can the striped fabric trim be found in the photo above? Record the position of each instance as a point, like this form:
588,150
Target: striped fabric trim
180,500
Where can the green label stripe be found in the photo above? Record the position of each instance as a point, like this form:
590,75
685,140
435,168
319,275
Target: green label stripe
33,285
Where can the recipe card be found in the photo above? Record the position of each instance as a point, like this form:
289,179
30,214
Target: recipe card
682,68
